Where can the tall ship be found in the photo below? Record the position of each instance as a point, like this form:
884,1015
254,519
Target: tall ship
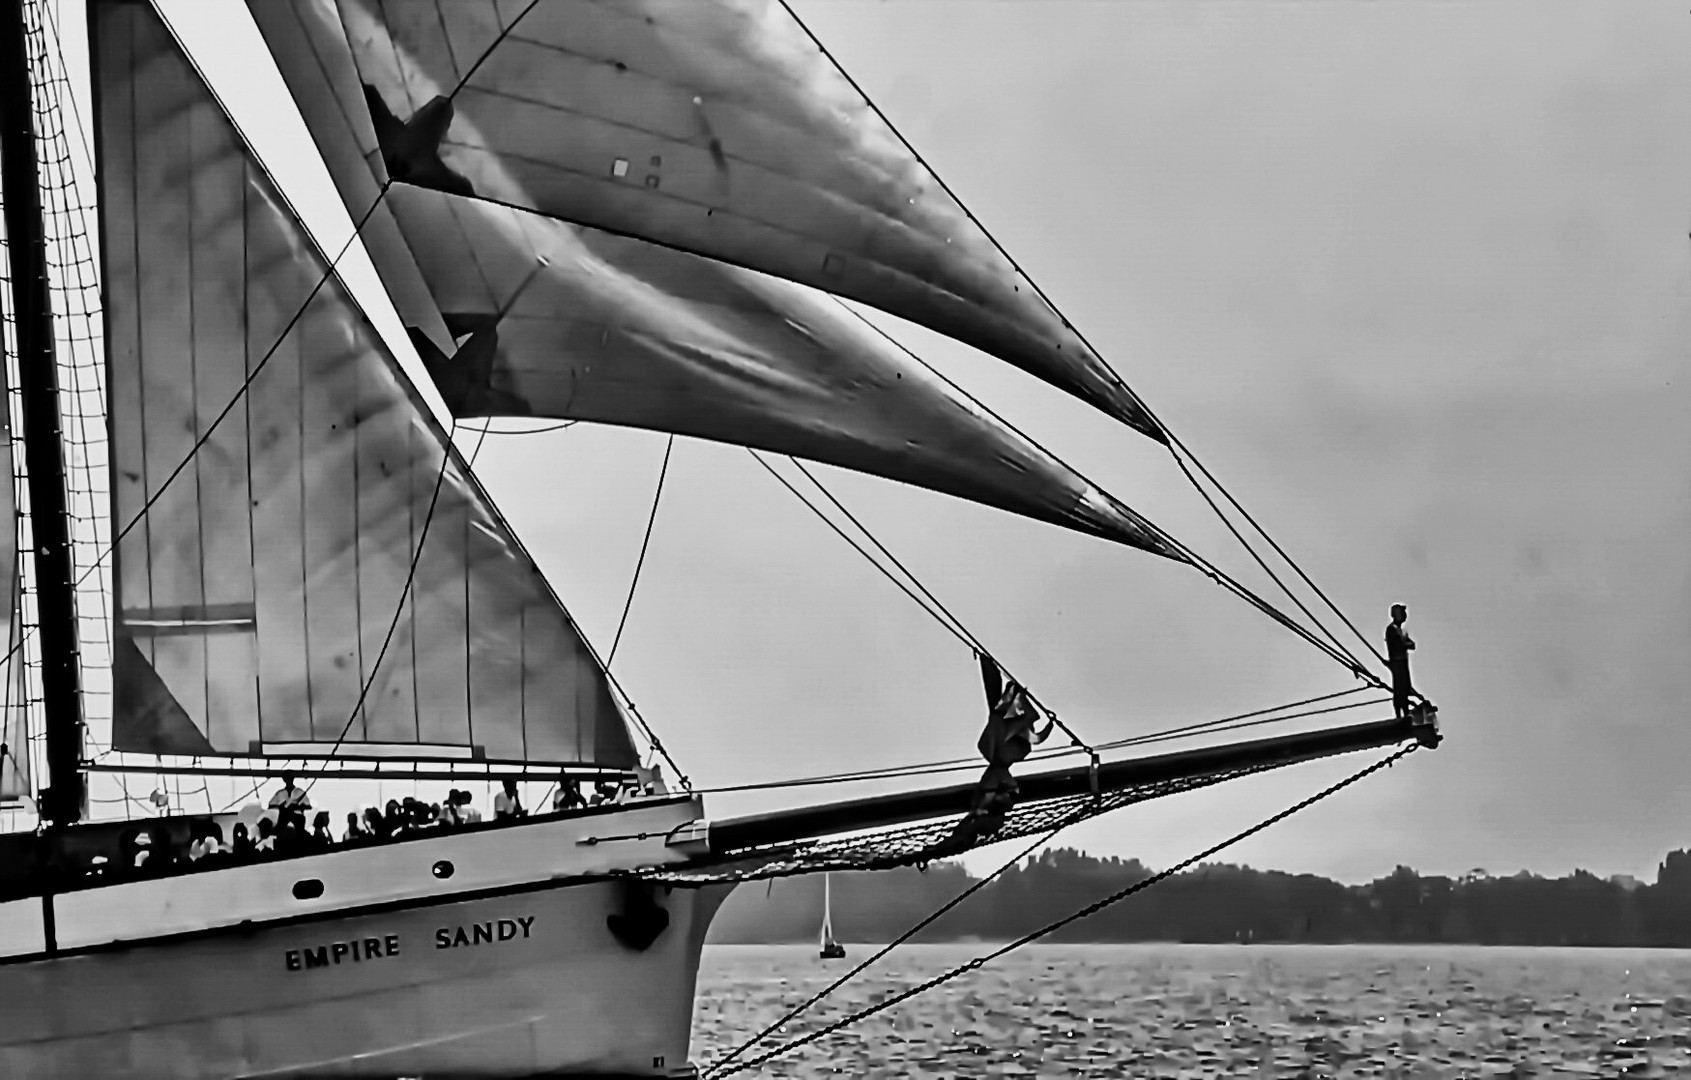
249,555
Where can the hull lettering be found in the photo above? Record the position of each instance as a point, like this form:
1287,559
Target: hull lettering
483,933
333,953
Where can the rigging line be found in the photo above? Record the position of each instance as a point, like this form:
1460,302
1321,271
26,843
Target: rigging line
475,450
956,631
482,59
1228,582
722,1063
971,765
1250,719
1278,550
1090,909
882,548
50,24
1121,383
974,641
1241,725
399,608
487,428
1225,723
1185,552
1272,576
1137,518
651,519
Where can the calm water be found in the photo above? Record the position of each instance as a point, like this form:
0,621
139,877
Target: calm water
1202,1011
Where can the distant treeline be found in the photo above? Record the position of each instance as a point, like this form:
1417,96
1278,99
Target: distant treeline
1223,903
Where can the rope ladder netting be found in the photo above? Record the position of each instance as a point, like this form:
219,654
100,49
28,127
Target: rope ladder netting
938,838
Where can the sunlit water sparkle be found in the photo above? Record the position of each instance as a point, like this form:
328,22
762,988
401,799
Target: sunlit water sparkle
1254,1011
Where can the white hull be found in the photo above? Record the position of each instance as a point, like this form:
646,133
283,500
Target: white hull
396,988
567,998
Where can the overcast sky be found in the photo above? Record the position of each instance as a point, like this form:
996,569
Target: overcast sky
1411,278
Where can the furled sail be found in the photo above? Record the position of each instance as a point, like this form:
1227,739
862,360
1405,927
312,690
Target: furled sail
277,483
549,319
712,126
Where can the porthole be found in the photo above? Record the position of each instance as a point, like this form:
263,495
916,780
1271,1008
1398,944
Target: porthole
309,889
443,869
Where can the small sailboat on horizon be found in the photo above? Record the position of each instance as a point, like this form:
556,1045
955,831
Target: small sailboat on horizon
831,949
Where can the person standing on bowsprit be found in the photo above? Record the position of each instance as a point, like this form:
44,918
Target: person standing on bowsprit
1398,646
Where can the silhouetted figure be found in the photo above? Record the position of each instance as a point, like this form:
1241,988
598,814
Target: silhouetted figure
508,803
408,816
320,836
240,842
568,796
356,833
266,843
1008,737
290,802
1398,646
467,813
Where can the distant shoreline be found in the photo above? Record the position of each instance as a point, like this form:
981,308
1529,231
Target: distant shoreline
1222,904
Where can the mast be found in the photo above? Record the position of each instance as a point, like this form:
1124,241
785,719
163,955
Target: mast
38,385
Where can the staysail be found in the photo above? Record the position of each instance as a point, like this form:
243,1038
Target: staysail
543,318
304,563
712,126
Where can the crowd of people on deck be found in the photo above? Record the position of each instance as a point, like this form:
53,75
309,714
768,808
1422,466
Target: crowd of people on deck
282,830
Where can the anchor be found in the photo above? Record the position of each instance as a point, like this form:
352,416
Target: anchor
641,919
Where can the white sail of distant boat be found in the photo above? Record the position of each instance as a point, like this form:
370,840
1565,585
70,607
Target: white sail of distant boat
643,213
830,949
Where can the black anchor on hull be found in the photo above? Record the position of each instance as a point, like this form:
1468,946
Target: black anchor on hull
641,920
